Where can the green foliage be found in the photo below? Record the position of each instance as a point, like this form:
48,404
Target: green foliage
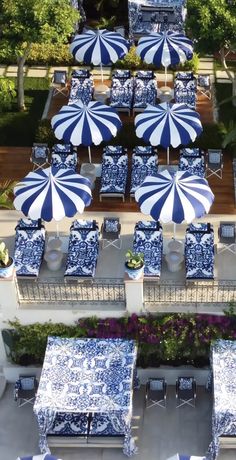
212,23
191,65
211,136
4,254
6,190
7,94
169,338
106,23
45,133
50,54
134,260
132,61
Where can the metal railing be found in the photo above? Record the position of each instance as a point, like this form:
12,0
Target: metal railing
190,293
99,291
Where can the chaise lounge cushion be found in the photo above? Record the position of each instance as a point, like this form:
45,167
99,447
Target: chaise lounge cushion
148,239
29,250
142,166
199,252
114,174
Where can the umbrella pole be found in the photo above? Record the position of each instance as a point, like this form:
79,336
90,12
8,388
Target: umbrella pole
168,155
101,72
174,231
165,76
57,227
89,154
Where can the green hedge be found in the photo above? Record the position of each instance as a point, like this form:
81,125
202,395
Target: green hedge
165,339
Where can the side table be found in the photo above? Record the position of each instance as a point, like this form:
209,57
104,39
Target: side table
174,260
53,258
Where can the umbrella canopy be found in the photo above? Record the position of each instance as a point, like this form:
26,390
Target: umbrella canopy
174,197
168,124
52,193
99,47
89,124
165,48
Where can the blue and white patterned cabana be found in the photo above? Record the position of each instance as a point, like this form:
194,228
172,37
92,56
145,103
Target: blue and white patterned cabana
223,360
87,376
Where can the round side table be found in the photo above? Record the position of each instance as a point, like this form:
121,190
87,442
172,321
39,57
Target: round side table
174,260
53,258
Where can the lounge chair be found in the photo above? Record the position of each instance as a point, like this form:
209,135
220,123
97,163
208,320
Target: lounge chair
83,249
64,156
114,173
185,89
148,239
193,164
81,87
145,90
122,89
199,252
29,247
144,163
186,391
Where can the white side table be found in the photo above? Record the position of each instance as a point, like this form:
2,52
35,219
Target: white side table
53,258
174,260
175,246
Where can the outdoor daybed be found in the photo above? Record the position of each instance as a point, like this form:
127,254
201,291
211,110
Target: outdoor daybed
85,393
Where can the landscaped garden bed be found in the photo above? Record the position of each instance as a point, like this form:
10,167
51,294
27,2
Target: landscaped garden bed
175,339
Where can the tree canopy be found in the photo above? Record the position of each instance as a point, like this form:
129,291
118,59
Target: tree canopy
23,22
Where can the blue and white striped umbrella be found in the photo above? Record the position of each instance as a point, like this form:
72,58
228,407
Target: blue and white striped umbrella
168,124
174,197
99,47
81,124
52,193
165,48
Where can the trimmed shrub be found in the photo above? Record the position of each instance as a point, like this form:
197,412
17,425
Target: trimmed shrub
43,54
7,94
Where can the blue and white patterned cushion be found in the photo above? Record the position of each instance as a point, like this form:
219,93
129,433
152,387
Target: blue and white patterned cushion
81,224
185,96
145,74
81,90
156,385
40,152
143,149
193,165
121,94
185,383
64,160
199,254
204,81
111,225
80,73
142,166
62,148
28,252
114,149
185,75
200,227
27,383
69,424
150,243
147,225
121,74
106,425
26,223
114,173
145,92
191,152
82,252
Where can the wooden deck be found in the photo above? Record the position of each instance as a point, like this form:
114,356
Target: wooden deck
15,164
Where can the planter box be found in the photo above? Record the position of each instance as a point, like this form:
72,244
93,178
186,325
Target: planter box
12,371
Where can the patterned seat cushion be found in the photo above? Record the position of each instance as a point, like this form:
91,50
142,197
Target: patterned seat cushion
114,173
80,73
121,93
81,224
142,166
40,152
114,149
111,225
204,80
193,165
185,383
150,242
191,152
145,92
62,148
64,160
26,223
82,252
199,254
143,150
81,90
73,424
29,250
27,383
145,74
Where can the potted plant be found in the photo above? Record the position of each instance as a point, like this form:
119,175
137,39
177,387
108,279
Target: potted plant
134,264
6,262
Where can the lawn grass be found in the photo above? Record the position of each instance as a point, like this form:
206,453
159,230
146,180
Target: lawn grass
19,128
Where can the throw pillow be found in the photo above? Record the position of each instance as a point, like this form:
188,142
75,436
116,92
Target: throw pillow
156,385
27,383
111,225
227,231
40,152
185,383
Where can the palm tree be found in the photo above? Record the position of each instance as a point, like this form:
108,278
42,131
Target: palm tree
6,191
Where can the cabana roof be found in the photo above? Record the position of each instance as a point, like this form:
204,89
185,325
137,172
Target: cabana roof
87,375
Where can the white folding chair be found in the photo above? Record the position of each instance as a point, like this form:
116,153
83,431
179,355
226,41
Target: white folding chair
60,84
204,85
214,163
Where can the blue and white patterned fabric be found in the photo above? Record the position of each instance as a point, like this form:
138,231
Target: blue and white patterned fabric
142,166
82,74
191,152
64,156
52,193
166,48
193,165
145,92
144,150
83,249
223,362
29,248
114,174
148,239
121,74
174,197
99,47
185,96
121,94
199,252
143,74
84,376
168,124
86,124
114,149
81,90
39,457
